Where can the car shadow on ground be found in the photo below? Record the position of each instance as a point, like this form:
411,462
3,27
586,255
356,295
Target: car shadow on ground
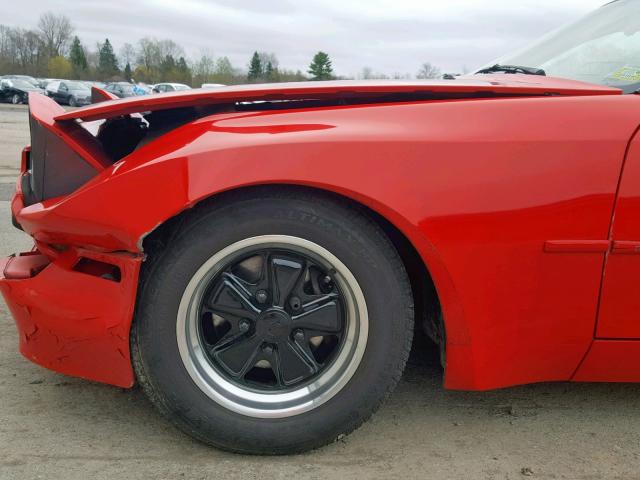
420,392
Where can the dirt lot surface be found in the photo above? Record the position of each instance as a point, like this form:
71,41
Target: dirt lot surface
14,134
56,427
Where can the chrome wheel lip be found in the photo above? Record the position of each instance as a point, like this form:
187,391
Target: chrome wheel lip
272,404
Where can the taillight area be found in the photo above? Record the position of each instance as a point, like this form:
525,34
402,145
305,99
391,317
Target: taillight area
25,163
24,265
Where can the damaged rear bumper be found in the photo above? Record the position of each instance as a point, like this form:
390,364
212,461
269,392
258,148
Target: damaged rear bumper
73,310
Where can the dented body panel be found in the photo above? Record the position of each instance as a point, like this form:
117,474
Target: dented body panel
481,187
73,322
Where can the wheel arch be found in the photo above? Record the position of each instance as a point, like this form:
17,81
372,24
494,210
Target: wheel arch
431,314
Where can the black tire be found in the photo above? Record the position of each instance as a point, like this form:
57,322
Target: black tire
16,99
72,102
341,229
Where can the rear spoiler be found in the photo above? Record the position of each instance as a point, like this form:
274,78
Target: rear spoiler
462,87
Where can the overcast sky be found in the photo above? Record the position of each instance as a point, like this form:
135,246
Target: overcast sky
387,35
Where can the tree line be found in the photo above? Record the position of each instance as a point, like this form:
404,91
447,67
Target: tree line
52,50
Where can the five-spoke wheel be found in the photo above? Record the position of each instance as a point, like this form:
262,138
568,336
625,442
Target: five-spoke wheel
273,325
273,318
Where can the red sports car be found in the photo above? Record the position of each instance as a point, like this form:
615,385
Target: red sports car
256,256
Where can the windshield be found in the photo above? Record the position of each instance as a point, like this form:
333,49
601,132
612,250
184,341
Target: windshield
76,86
602,48
22,84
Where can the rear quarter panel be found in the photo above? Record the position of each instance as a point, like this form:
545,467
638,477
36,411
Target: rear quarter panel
477,186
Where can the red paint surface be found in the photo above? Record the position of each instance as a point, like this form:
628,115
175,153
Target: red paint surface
620,306
99,95
75,323
576,246
610,361
23,266
478,186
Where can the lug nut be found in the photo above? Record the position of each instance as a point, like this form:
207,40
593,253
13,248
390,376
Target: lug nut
261,296
299,335
267,349
295,303
244,326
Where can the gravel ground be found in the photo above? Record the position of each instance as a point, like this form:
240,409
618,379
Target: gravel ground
14,135
56,427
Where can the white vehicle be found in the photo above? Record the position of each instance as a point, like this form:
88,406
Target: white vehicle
52,87
169,87
212,85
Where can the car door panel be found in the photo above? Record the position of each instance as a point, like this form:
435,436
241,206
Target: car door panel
4,89
63,92
619,313
57,94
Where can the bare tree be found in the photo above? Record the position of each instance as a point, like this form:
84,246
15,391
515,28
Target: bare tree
368,73
153,52
148,53
203,69
56,33
5,41
127,54
28,50
224,71
266,58
169,48
428,71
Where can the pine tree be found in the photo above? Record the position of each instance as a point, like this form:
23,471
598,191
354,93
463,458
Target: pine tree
320,68
127,72
269,71
255,68
183,70
167,68
77,57
107,61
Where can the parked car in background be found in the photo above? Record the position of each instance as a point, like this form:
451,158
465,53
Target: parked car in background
69,92
91,83
212,85
26,78
169,87
142,89
51,87
43,82
16,90
121,89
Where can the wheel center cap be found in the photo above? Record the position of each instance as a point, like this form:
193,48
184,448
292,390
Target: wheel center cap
274,323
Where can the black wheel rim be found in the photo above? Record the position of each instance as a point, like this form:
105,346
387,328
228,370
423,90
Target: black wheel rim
272,319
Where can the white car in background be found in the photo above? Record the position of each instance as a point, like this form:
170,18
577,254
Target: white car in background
52,87
169,87
212,85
